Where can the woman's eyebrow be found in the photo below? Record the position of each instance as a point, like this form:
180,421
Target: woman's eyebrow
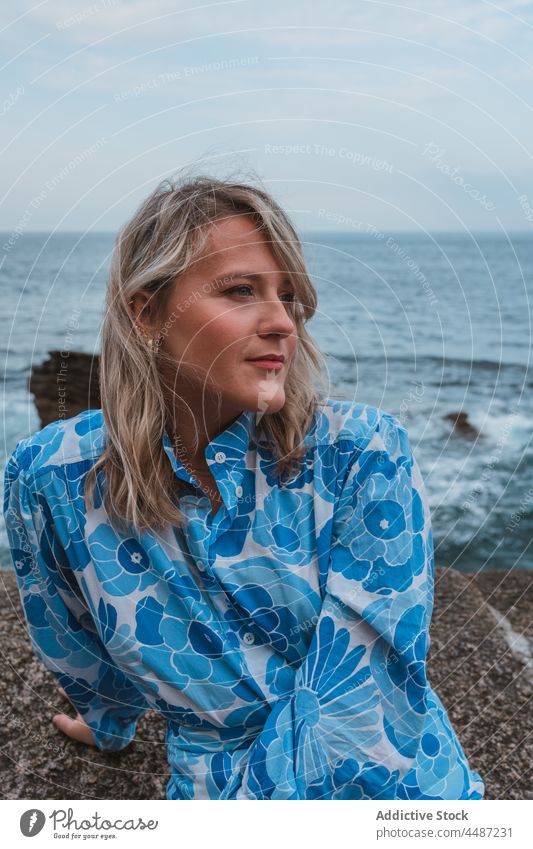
248,275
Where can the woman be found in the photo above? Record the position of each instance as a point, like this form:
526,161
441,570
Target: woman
223,544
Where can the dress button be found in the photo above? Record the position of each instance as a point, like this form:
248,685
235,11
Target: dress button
200,565
249,638
238,491
220,457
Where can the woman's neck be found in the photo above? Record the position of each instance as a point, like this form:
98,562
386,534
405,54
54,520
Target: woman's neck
190,440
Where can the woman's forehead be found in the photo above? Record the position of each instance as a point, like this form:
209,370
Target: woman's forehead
228,252
233,233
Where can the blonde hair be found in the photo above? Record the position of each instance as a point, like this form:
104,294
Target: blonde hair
164,238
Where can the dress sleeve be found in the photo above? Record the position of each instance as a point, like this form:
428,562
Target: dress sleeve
361,707
61,628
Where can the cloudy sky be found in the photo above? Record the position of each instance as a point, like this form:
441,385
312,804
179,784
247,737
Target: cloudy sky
396,115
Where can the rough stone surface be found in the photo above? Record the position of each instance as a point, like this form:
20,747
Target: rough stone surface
482,684
65,384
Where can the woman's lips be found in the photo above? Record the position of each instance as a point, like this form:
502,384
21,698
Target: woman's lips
270,364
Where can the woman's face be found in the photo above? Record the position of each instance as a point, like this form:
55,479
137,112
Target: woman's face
218,321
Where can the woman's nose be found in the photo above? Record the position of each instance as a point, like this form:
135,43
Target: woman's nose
275,318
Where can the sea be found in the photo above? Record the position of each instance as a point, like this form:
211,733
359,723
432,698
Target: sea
425,326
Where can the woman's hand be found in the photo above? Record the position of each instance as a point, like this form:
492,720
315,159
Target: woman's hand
77,728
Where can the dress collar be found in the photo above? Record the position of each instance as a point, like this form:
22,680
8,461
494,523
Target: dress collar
227,451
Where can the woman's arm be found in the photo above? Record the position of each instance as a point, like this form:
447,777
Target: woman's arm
353,724
60,626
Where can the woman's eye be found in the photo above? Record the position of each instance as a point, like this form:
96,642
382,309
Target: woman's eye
238,289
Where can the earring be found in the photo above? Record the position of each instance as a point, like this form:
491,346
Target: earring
154,344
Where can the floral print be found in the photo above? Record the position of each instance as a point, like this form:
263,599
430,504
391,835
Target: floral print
283,639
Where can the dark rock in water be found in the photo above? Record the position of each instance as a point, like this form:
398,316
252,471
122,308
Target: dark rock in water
65,385
461,424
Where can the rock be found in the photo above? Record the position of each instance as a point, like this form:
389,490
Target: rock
482,683
461,424
512,594
65,384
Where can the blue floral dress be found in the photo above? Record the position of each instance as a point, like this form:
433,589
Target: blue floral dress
283,639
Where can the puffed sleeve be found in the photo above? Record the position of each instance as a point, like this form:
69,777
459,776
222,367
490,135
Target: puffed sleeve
61,628
361,720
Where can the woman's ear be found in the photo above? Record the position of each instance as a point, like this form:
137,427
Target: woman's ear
140,308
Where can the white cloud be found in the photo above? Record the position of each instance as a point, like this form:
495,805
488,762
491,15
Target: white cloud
106,50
